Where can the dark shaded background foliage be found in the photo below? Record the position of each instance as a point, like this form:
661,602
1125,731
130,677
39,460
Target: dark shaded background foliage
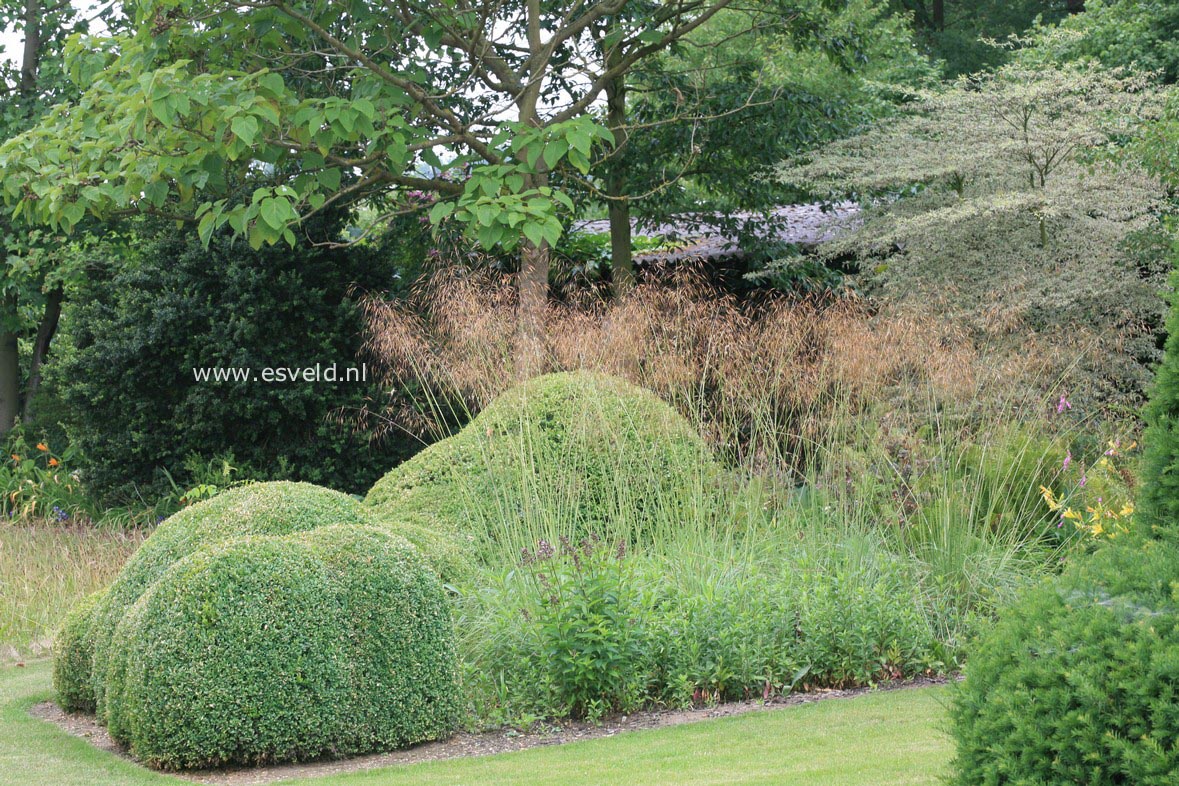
140,326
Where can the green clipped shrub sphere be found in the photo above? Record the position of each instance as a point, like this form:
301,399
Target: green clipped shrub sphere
273,622
583,444
1079,681
74,656
331,642
277,508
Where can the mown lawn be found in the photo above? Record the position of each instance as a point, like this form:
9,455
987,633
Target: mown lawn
876,740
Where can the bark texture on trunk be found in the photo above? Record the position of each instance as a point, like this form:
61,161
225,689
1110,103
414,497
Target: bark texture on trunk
31,53
618,207
45,333
9,371
621,259
532,284
10,376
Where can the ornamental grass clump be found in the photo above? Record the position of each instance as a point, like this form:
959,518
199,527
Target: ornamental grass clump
757,378
572,454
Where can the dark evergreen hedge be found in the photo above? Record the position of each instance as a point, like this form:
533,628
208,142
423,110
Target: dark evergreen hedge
138,328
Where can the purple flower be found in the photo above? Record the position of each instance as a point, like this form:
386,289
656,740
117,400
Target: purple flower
1062,405
1068,459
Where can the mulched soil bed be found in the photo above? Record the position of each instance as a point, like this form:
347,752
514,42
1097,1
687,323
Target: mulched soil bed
464,744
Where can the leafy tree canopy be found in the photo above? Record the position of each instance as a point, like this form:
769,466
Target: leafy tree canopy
1138,34
733,100
38,265
958,32
1011,200
341,101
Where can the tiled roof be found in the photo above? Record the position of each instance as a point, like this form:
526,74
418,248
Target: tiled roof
804,225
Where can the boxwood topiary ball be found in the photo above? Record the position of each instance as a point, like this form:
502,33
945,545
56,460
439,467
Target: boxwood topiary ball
256,509
266,649
587,445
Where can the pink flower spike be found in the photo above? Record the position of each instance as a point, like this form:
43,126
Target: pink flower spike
1062,405
1084,480
1068,459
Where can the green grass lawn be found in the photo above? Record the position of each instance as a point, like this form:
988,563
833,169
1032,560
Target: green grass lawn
876,740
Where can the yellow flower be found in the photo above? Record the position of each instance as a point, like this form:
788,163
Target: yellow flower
41,446
1050,498
1127,509
1072,514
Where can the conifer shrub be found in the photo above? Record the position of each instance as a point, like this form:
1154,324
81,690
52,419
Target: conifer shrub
1158,502
140,323
1078,682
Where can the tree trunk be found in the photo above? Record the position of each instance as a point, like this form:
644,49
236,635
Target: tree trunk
1075,6
939,15
45,332
9,382
618,206
621,258
10,404
31,54
532,284
9,368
